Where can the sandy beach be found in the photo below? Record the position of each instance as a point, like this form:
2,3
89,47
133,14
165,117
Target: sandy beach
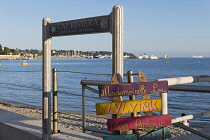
73,121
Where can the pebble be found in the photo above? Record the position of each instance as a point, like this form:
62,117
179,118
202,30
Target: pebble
73,121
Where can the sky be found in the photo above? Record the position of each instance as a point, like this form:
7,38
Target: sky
178,28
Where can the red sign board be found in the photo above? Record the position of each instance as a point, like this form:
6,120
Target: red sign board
138,122
133,89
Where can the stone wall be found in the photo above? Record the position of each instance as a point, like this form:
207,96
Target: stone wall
9,56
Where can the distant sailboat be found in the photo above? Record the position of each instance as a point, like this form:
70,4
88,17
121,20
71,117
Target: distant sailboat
194,56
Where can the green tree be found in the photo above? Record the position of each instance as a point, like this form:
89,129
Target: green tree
6,51
1,52
14,52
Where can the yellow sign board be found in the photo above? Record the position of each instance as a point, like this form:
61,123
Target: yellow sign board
128,106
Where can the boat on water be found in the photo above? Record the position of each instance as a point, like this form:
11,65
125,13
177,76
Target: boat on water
139,57
89,57
24,63
144,56
194,56
99,56
126,56
153,57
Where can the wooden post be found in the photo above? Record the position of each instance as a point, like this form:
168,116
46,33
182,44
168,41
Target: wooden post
115,99
46,80
143,78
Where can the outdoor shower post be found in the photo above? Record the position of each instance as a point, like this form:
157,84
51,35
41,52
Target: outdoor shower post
55,100
132,97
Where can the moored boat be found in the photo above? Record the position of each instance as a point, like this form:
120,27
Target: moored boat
99,56
139,57
153,57
194,56
24,63
145,56
90,57
126,56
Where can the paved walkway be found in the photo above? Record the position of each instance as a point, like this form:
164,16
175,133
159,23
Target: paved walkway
34,127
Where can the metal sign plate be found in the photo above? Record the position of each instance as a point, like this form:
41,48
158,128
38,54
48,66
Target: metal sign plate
98,24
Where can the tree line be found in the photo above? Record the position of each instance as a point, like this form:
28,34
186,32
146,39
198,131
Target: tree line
9,51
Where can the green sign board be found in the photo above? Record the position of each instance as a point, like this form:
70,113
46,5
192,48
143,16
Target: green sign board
120,137
160,134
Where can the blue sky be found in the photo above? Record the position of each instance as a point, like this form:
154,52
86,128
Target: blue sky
179,28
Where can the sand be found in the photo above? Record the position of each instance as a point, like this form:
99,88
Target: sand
73,121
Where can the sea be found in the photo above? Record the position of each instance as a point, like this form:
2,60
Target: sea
22,84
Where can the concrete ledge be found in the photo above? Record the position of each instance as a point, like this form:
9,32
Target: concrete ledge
15,126
11,133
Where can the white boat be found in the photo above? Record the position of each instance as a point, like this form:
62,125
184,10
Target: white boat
139,57
153,57
194,56
99,56
126,56
145,56
89,57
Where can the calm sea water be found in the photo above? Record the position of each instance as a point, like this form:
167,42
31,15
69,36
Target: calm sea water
22,84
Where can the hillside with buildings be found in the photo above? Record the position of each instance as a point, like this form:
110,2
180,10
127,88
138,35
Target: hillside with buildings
7,53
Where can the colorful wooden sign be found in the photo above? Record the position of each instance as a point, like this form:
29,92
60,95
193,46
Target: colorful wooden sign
133,89
160,134
120,137
128,106
138,122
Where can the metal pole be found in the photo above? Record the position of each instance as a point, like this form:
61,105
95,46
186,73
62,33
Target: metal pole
117,30
192,130
132,97
164,100
83,108
55,101
46,83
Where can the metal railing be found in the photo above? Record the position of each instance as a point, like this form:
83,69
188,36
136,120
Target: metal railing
174,84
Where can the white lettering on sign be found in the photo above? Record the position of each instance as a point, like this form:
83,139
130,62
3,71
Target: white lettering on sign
80,26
